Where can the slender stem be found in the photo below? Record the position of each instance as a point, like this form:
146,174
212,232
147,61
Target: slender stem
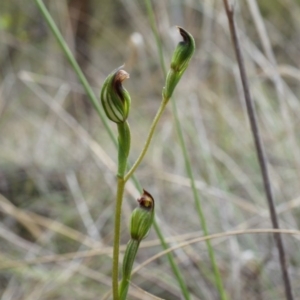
259,149
217,276
156,35
118,210
123,147
155,225
91,97
218,279
170,256
64,46
93,100
148,140
123,150
172,263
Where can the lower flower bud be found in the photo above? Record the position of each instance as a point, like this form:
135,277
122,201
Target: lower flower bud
142,217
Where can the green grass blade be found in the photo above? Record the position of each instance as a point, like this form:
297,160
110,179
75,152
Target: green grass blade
218,279
69,55
93,99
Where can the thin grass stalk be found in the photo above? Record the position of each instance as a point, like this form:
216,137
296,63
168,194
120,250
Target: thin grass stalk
172,263
94,101
259,150
151,17
64,46
157,229
221,235
217,276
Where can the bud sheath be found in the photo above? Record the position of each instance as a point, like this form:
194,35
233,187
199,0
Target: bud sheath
129,257
180,60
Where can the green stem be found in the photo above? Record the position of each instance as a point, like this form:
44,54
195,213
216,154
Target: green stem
171,259
124,147
156,35
93,99
64,46
118,210
218,279
123,151
148,140
172,263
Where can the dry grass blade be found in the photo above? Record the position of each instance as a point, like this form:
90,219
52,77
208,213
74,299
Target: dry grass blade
214,236
259,150
22,217
58,163
30,220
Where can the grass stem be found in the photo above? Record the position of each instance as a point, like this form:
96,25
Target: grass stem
259,149
217,276
94,101
69,55
172,263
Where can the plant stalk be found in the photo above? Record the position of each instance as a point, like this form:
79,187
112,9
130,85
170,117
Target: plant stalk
148,139
124,140
118,210
123,151
217,276
94,101
259,150
172,263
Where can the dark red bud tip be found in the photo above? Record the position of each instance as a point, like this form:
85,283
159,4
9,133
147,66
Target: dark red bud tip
184,34
146,201
121,75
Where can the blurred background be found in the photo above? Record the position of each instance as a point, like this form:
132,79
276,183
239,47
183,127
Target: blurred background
58,164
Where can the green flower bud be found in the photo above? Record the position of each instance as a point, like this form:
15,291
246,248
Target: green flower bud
180,60
142,217
115,99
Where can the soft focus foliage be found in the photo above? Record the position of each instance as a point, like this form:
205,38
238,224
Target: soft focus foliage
58,165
